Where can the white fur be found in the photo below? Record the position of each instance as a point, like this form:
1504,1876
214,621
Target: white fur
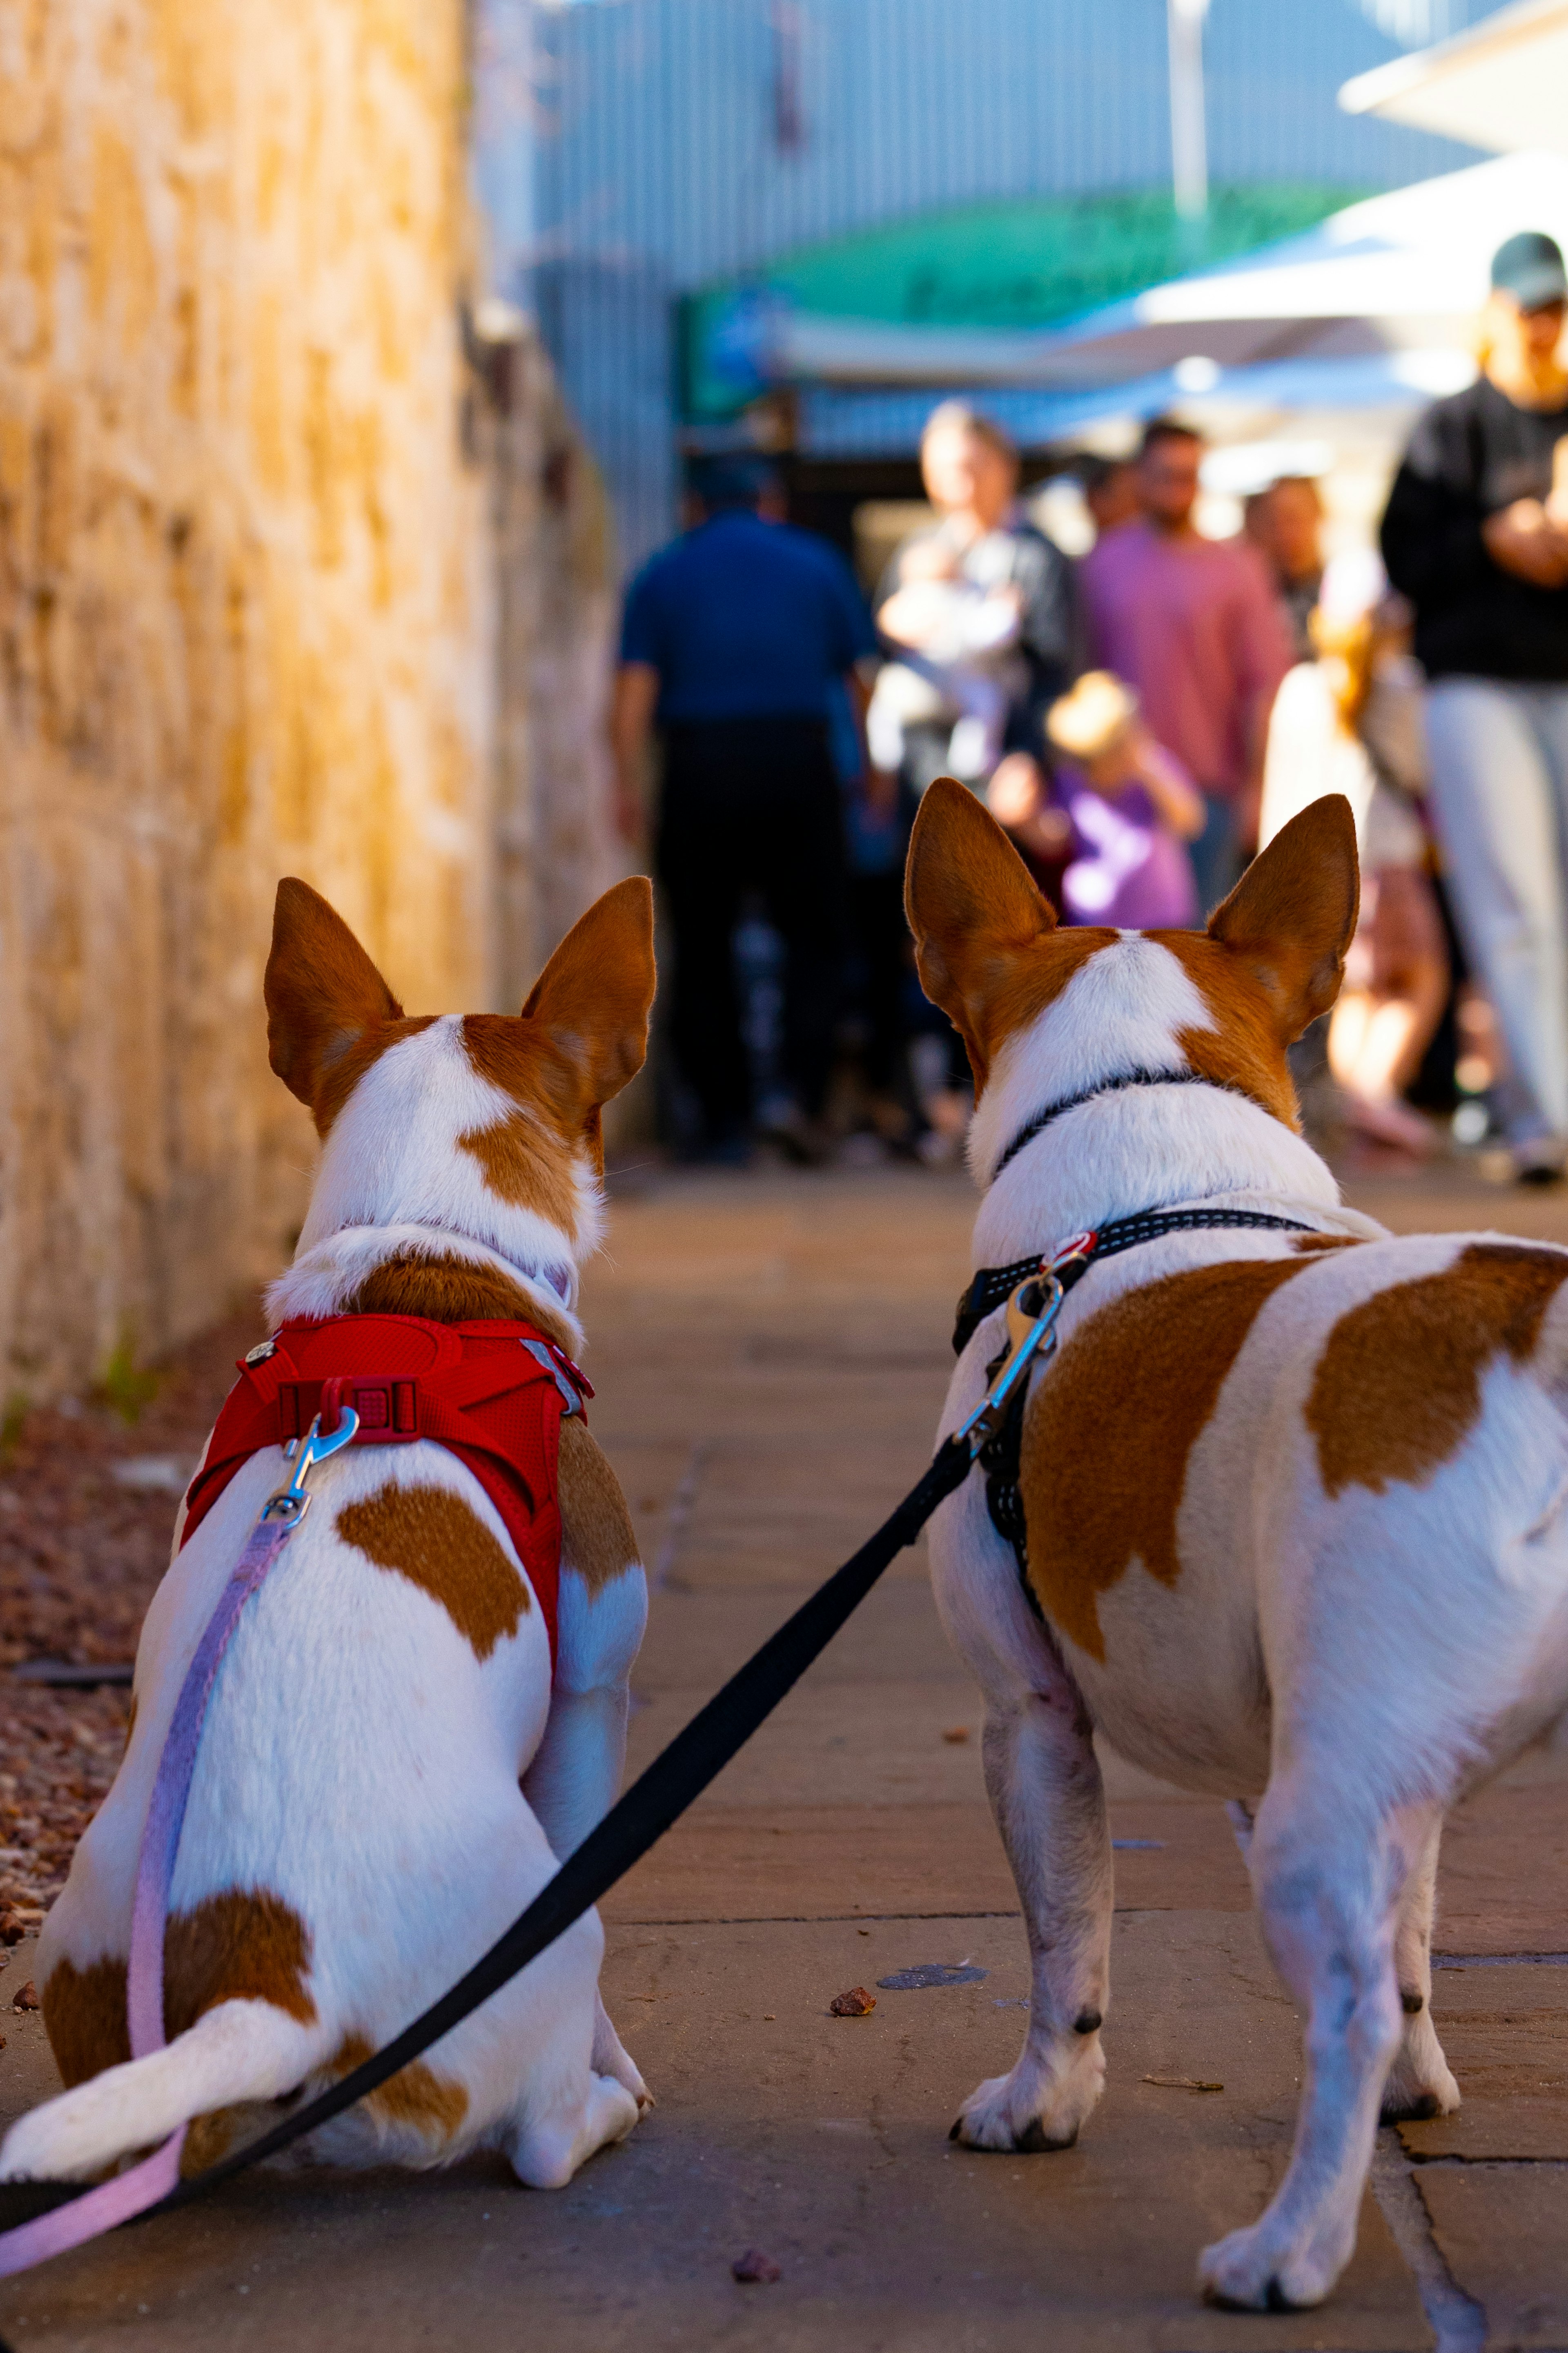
360,1762
391,1166
1340,1668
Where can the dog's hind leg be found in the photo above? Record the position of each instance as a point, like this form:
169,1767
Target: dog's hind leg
1044,1782
1419,2082
1329,1890
241,2049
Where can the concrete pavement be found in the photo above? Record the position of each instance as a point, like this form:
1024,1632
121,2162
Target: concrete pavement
770,1353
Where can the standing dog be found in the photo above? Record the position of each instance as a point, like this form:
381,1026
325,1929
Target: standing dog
1295,1501
356,1834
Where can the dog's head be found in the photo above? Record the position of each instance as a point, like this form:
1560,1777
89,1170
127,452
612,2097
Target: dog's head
1048,1013
481,1127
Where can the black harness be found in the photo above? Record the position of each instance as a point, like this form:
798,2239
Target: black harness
994,1285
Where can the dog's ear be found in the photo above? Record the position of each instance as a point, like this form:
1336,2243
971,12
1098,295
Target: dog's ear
1292,915
978,920
593,998
323,991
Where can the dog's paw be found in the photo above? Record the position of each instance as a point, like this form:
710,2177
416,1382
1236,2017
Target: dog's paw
1258,2270
1420,2083
1029,2111
610,2058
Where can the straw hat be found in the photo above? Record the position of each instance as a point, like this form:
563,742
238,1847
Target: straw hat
1086,722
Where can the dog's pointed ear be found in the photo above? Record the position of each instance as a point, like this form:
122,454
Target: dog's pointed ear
323,991
1292,915
976,912
593,998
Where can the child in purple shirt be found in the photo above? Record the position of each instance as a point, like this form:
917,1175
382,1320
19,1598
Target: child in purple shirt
1121,808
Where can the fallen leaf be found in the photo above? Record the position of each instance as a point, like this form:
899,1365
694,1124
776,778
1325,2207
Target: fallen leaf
27,1996
956,1733
753,2269
770,2018
1183,2083
857,2003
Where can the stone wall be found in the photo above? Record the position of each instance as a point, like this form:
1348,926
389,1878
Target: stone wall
250,552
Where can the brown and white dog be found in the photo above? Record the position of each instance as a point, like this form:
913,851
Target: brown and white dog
1297,1503
356,1835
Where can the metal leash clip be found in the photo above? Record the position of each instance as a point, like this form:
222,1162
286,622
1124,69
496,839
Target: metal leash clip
291,1502
1032,1312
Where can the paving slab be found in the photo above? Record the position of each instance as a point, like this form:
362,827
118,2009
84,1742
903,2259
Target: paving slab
1505,2031
822,2141
770,1354
1503,2232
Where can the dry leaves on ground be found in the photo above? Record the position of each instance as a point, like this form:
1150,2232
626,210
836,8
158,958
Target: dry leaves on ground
81,1557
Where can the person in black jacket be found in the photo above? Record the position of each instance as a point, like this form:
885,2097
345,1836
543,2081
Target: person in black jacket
1475,535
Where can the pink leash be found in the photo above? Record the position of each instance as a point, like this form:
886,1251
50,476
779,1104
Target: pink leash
114,2201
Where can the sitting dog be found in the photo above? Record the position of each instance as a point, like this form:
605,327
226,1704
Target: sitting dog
356,1835
1293,1502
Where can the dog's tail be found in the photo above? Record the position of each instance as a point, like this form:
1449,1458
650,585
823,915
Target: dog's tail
236,2051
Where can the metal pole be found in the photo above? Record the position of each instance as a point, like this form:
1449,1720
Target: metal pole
1189,142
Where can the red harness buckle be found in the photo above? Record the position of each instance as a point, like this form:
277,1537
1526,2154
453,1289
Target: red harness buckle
387,1406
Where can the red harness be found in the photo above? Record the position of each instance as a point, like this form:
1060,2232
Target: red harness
493,1393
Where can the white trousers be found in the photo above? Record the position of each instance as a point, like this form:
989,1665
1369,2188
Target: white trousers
1499,797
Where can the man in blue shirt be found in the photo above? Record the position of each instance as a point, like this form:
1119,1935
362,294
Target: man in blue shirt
732,639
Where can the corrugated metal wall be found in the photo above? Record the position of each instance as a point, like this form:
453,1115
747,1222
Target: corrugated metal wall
659,165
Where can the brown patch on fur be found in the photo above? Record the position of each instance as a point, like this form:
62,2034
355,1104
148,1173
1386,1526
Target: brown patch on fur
450,1291
340,1077
1108,1430
1292,917
986,941
245,1944
438,1543
1307,1244
583,1033
598,1539
416,2096
84,2018
1244,1050
329,1011
1398,1387
525,1163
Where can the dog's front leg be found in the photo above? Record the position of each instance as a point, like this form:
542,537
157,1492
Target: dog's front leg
1044,1783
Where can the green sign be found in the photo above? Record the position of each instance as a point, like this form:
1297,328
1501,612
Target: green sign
1016,265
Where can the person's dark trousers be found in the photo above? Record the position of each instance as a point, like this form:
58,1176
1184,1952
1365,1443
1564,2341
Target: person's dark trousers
881,938
752,805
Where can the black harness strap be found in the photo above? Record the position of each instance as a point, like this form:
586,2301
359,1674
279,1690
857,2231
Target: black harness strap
994,1285
1000,1457
1042,1120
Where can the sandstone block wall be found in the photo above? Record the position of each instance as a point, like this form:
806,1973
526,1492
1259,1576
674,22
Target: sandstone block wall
252,537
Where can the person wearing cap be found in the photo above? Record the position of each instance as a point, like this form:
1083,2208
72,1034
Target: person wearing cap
1475,535
1120,810
733,640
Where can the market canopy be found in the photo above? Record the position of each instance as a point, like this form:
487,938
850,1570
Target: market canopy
1503,84
1392,282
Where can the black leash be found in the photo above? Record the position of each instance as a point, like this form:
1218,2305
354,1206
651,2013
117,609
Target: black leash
677,1775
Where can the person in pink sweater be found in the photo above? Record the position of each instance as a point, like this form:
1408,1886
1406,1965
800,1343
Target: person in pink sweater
1193,624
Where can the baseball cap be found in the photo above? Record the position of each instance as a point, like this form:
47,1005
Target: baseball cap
1529,267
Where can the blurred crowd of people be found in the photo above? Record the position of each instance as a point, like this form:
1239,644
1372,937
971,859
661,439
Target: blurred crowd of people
1140,722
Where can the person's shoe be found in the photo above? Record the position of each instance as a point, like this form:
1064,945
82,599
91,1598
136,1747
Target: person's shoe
805,1141
1538,1163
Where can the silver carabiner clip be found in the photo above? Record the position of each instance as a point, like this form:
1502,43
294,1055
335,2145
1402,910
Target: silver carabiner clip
291,1502
1031,1335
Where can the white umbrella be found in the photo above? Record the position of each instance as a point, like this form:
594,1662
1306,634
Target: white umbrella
1399,276
1503,84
